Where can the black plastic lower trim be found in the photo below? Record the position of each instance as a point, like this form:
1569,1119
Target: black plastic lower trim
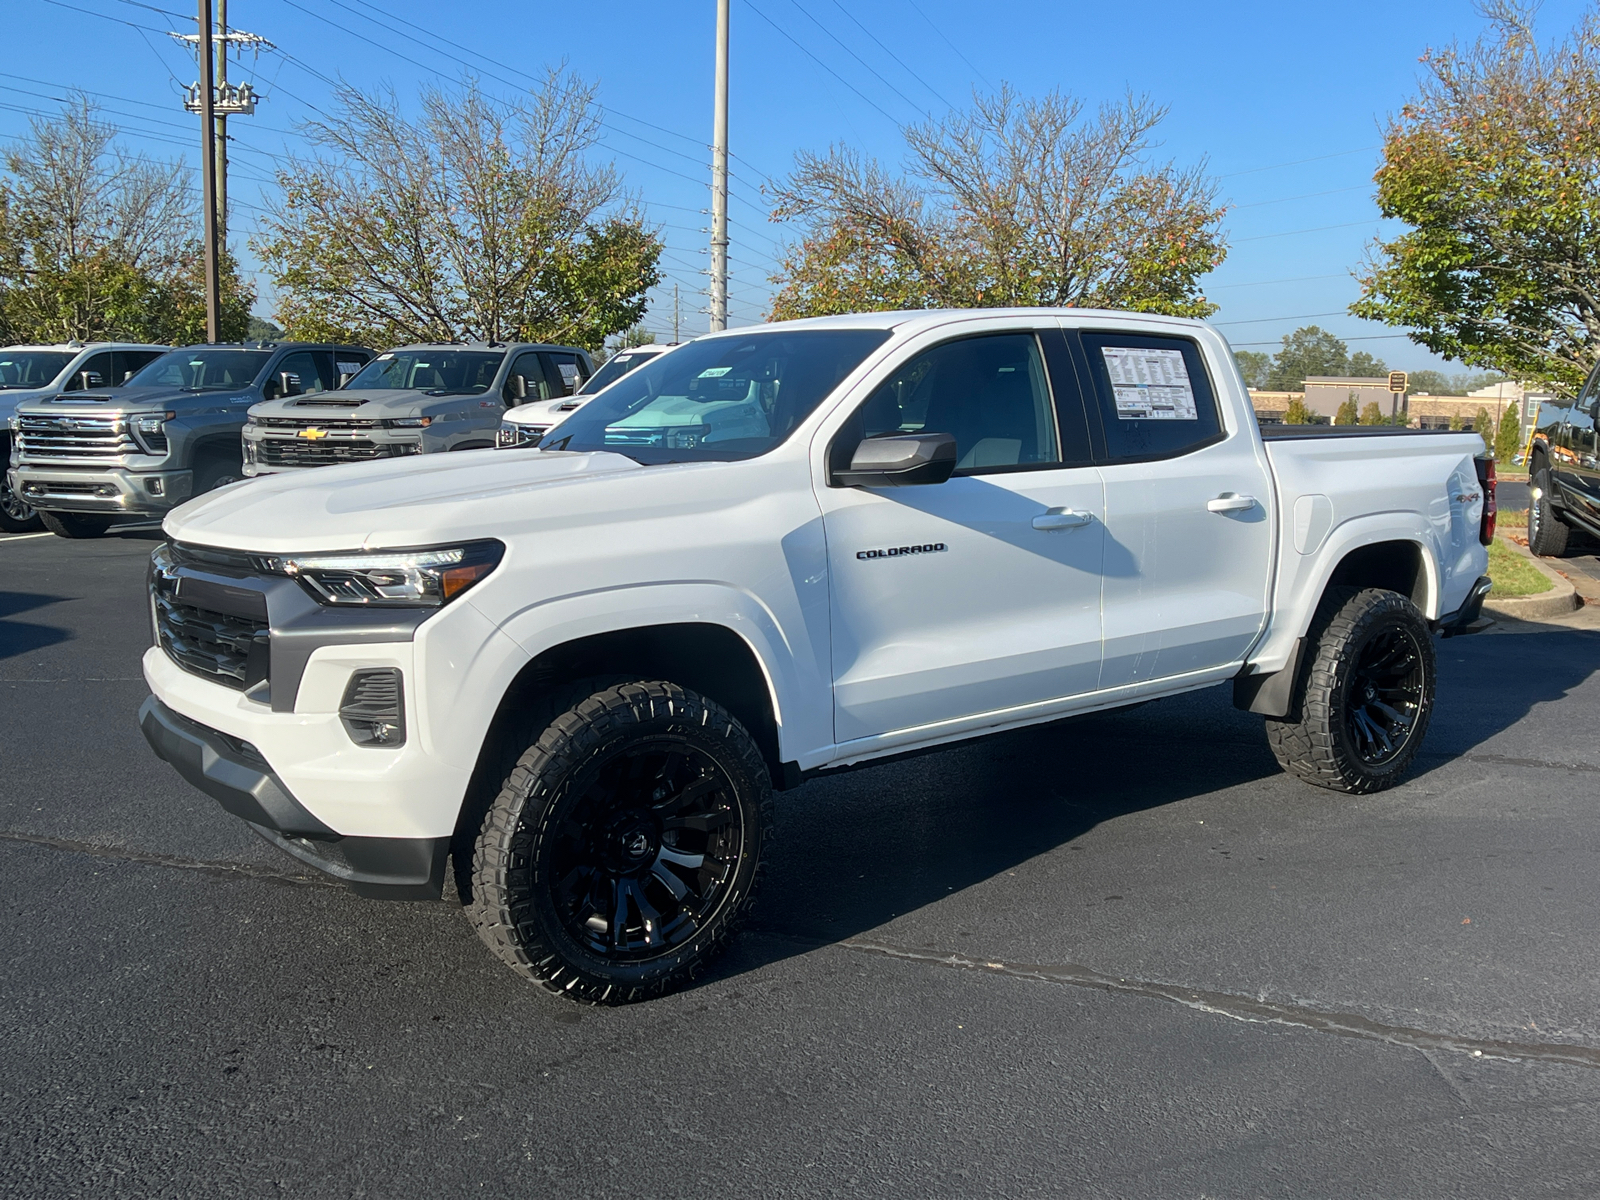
1271,694
234,774
1469,617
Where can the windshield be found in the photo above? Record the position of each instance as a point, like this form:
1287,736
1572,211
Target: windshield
203,370
618,365
717,400
31,368
432,371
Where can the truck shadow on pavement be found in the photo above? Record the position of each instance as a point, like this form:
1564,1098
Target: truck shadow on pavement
855,851
22,637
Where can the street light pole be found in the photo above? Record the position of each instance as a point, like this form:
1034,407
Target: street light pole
208,176
222,124
719,179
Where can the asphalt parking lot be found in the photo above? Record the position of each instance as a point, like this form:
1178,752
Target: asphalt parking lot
1122,957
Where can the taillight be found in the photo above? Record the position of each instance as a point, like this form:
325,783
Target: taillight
1486,482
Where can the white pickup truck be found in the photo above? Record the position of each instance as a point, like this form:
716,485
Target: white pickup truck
579,671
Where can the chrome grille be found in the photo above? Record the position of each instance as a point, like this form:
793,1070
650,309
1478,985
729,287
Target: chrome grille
83,438
287,452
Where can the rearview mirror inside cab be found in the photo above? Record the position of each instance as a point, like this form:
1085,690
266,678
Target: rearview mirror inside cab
900,460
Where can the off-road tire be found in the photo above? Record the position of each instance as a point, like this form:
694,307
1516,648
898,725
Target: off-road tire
75,525
1318,742
532,829
1547,534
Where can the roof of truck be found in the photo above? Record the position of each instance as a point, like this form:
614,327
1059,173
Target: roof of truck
913,319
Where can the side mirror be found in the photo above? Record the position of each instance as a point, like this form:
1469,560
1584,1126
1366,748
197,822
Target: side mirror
91,379
516,389
900,460
345,377
127,375
291,384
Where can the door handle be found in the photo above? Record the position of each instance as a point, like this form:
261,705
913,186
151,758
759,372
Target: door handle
1062,518
1230,502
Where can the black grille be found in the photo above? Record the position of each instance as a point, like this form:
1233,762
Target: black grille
281,452
227,649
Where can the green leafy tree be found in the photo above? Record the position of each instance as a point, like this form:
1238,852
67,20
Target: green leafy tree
1508,437
1011,202
1431,383
1297,412
1362,365
1371,414
1305,352
1495,166
475,220
1456,423
1254,366
96,243
1347,414
1483,424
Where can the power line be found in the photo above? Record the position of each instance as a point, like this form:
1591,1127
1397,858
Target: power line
1376,337
873,70
871,103
893,55
1264,282
1318,229
1301,317
1360,187
918,10
1297,162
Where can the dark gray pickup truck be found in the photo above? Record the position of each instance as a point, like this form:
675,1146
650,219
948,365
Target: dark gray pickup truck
170,432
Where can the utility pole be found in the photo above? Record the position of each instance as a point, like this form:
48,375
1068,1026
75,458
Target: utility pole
208,177
222,123
719,179
674,314
214,99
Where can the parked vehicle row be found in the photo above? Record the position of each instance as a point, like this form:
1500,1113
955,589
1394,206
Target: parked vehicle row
98,432
577,672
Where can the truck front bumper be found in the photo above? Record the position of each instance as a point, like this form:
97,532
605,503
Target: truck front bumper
109,490
233,772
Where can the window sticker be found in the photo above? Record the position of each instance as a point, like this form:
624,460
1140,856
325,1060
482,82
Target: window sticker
714,372
1150,385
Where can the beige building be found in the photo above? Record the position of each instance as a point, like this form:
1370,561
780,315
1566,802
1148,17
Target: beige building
1326,393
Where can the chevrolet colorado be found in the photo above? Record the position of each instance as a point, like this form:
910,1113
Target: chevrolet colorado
578,671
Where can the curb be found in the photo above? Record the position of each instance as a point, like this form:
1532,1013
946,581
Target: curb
1561,599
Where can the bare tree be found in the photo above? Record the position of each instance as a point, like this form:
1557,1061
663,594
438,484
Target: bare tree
474,220
1013,202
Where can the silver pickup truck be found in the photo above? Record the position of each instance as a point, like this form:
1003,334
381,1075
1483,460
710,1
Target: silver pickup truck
411,400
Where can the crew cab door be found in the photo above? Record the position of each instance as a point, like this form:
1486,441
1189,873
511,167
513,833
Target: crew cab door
1575,464
983,592
1189,547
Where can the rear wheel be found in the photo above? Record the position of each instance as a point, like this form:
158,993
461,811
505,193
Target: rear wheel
625,847
1547,536
75,525
1366,697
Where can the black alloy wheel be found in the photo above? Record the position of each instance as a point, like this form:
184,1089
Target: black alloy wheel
1365,694
642,860
625,845
1547,534
1385,698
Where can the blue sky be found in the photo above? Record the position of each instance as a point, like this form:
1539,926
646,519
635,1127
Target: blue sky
1284,102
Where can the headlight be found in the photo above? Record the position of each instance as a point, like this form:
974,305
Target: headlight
393,578
514,433
151,422
408,422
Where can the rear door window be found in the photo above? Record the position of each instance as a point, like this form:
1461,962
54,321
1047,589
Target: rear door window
125,363
1152,395
96,373
565,371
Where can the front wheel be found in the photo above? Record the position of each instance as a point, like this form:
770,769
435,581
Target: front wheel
1366,696
16,514
625,846
75,525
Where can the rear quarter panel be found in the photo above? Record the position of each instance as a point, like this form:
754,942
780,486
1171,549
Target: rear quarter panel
1339,494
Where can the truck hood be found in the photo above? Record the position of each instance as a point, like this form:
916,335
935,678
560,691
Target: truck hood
346,404
421,501
546,412
110,401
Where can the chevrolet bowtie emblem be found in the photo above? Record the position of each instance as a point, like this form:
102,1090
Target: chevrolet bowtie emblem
312,434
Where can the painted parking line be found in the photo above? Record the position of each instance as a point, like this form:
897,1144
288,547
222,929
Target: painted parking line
22,537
